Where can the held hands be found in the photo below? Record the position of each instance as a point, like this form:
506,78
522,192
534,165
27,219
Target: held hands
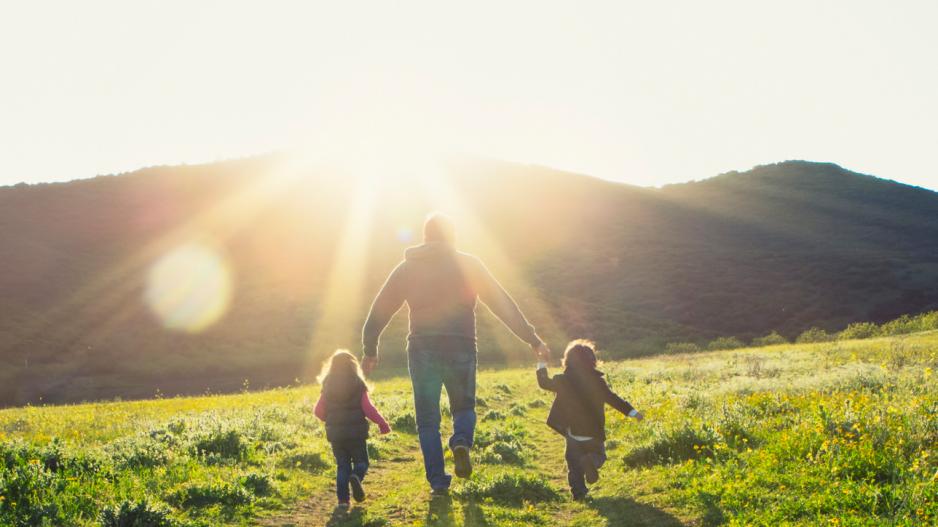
542,352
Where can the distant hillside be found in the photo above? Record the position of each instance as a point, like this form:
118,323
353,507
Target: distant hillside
782,247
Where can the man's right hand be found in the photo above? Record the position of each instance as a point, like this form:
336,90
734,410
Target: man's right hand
369,364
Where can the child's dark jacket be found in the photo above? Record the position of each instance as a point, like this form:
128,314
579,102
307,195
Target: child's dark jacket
580,403
344,407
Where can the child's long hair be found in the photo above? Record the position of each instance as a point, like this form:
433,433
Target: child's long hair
341,372
580,356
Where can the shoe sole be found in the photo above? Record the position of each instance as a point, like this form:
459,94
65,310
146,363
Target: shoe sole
357,491
462,462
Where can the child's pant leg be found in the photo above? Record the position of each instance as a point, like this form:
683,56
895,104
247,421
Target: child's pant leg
359,458
576,479
597,451
343,468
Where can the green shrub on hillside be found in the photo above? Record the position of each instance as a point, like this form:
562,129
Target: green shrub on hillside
772,339
910,324
139,514
405,422
220,444
310,461
814,335
677,348
725,343
200,495
859,330
258,484
139,451
510,488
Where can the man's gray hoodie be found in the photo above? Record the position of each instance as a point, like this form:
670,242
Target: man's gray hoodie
440,286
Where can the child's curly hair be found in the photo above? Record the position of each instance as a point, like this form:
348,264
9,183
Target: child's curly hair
580,355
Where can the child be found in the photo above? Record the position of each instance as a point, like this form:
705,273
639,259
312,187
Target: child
578,412
344,404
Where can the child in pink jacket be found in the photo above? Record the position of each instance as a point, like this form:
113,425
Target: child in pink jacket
345,407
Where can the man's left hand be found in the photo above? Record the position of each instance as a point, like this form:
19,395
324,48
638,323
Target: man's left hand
369,364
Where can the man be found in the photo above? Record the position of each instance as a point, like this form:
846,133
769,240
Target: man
440,286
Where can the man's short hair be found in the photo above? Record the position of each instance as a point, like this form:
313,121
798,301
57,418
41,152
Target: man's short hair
439,228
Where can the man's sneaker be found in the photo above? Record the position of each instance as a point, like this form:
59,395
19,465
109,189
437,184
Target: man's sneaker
342,506
357,491
589,469
462,461
581,497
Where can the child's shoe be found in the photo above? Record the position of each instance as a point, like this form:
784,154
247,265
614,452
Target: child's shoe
589,469
357,491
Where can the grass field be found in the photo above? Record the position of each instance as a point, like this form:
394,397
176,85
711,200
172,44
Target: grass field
839,433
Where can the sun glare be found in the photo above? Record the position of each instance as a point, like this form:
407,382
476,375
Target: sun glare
189,288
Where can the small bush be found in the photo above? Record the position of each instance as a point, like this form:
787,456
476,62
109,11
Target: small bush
510,489
405,422
537,403
313,462
772,339
219,444
493,415
199,496
258,484
814,335
138,452
755,367
677,348
140,514
490,436
675,445
859,330
725,343
504,452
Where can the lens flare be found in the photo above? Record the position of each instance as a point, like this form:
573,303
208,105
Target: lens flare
405,235
189,288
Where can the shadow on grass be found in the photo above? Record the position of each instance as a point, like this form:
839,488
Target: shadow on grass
440,514
354,518
345,518
625,511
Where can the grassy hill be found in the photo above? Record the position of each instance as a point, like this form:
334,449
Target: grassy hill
833,433
782,247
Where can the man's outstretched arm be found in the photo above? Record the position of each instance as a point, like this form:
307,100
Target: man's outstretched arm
389,300
493,295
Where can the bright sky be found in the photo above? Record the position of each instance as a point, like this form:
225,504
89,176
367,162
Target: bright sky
641,92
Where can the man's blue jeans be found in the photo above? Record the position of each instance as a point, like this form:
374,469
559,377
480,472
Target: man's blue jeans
435,362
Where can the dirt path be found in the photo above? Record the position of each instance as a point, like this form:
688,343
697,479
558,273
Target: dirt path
320,509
